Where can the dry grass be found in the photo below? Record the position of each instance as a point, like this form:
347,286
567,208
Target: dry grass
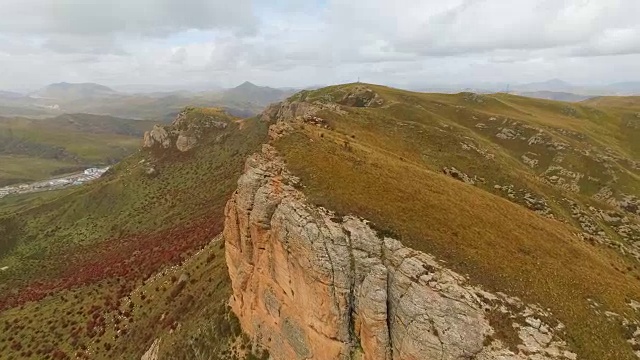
367,167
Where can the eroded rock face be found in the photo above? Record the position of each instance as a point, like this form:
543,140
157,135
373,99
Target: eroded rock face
308,285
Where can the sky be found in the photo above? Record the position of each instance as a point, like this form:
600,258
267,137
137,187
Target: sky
289,43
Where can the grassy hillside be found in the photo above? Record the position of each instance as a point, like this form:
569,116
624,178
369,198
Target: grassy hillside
534,198
38,149
622,102
102,253
381,152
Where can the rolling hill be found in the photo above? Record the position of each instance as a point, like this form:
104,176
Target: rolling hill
35,149
356,220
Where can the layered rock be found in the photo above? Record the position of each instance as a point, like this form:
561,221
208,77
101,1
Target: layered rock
309,285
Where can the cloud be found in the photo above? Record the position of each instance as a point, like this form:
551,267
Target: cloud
296,43
147,17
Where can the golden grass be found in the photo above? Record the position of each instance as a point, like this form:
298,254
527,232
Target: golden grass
364,168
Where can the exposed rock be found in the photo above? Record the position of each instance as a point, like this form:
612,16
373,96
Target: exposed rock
362,96
315,120
158,137
186,142
183,133
279,129
152,353
459,175
539,138
562,178
150,171
473,97
307,285
526,198
569,111
289,111
529,160
507,134
468,145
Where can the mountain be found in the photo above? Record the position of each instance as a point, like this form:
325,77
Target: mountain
67,92
352,221
556,85
56,99
250,93
625,88
553,95
10,95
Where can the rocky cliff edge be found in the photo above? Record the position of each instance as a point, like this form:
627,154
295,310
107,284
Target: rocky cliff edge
308,284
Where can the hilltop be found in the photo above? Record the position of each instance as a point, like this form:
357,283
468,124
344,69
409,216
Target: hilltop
353,220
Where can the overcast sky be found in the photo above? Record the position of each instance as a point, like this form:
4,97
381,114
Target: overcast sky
308,42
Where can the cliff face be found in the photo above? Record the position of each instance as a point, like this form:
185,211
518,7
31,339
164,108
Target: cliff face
309,285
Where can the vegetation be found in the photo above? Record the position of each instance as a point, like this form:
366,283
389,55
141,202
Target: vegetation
38,149
384,163
105,270
101,253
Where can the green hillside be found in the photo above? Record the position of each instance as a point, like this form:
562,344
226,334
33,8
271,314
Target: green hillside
534,198
82,251
38,149
382,154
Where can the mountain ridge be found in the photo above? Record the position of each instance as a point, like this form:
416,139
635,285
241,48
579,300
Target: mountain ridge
315,198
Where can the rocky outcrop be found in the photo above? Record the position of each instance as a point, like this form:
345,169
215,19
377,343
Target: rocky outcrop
310,285
459,175
361,96
184,132
152,352
186,142
158,137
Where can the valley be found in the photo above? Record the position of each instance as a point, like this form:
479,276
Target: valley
53,184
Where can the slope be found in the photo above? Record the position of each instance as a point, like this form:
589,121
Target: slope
384,155
36,149
108,255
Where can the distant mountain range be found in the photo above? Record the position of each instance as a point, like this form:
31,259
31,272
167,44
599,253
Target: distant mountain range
555,95
68,91
554,89
245,100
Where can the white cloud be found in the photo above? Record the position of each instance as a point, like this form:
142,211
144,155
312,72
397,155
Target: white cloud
289,42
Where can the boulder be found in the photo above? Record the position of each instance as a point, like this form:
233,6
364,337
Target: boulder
186,142
157,137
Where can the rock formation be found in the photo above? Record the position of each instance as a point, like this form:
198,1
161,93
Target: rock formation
152,352
157,137
183,133
309,285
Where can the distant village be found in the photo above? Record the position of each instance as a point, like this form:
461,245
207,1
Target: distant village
54,184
